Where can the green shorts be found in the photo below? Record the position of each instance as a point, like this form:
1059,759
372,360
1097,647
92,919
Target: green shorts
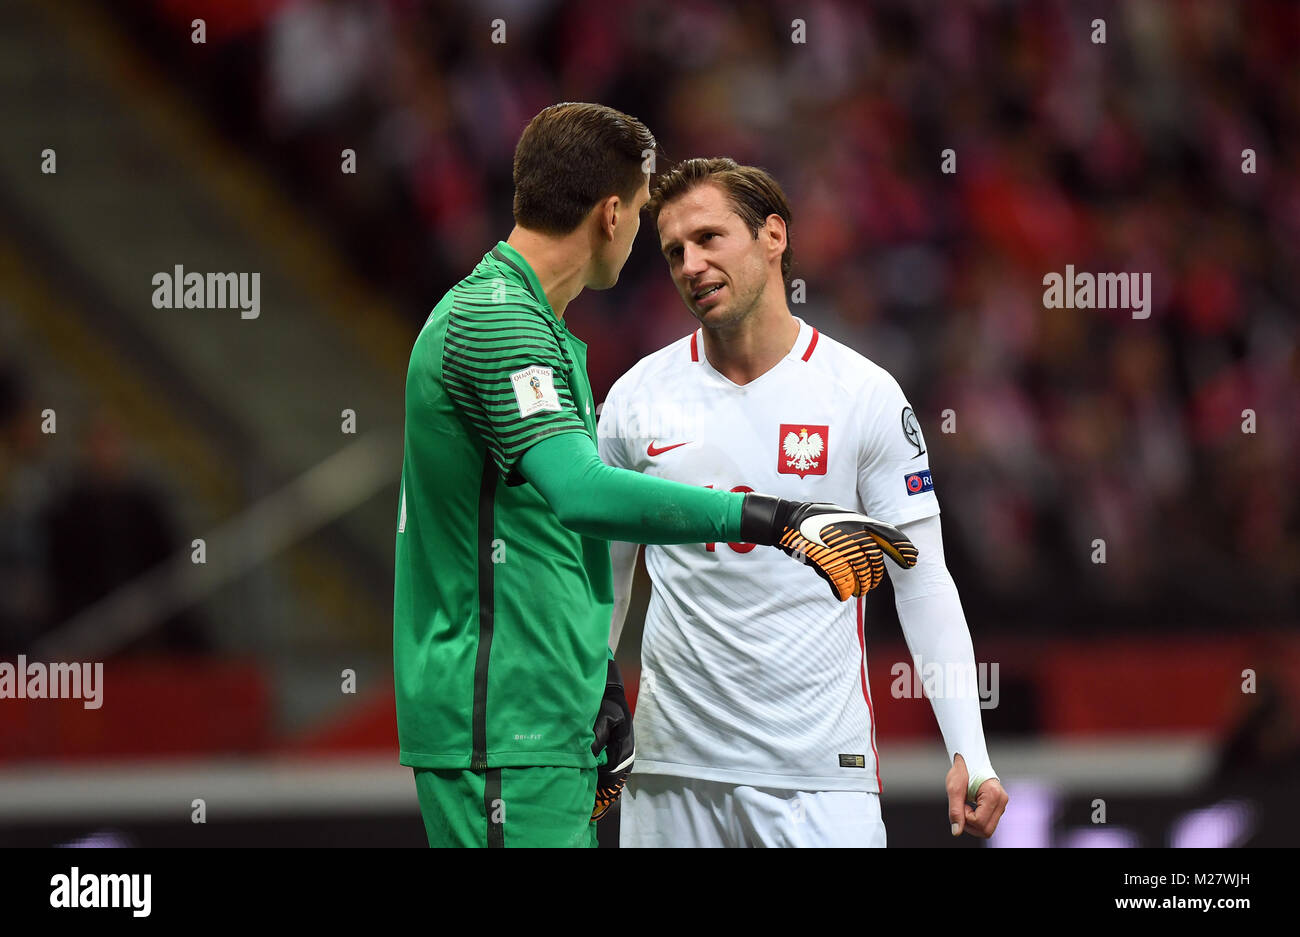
528,807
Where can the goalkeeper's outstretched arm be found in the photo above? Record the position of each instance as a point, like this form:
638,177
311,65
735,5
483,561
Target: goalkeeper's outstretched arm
844,547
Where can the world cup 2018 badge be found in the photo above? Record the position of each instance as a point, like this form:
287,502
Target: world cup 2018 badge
535,390
802,449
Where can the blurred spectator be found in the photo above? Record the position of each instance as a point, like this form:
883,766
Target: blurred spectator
1264,745
106,528
321,56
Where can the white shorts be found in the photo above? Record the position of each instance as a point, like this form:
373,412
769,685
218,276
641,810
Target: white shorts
659,810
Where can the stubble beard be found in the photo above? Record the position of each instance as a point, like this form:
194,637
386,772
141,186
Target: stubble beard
744,308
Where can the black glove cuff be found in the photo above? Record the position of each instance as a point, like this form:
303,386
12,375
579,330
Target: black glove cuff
758,519
612,676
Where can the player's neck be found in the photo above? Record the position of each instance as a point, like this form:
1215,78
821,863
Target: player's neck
748,350
558,263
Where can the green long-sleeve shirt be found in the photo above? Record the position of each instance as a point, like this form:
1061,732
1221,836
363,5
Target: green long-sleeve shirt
503,590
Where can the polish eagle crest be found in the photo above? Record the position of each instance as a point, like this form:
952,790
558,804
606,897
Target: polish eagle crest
802,451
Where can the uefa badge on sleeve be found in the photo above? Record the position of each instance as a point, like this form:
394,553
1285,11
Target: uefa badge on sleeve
802,449
918,482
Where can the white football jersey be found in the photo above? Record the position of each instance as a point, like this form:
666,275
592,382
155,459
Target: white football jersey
752,673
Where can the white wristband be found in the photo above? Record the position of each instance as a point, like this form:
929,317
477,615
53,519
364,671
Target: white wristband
972,789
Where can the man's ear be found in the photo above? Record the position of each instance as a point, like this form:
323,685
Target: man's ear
774,229
610,211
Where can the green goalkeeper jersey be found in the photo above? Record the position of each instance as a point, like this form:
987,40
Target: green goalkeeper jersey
501,614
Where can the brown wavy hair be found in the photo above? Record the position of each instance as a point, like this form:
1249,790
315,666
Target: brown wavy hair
752,191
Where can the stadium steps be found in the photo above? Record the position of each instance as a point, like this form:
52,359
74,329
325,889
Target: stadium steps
142,185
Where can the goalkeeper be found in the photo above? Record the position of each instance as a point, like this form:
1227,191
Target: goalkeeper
509,706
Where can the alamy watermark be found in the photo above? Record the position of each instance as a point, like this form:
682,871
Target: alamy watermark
181,290
35,680
949,680
78,889
1098,291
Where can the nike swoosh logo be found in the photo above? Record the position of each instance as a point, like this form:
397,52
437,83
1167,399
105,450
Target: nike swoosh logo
811,528
651,451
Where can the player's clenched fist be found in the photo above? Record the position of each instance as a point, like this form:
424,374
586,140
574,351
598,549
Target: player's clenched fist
846,548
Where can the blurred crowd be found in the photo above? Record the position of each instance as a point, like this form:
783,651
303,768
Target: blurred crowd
1071,427
74,530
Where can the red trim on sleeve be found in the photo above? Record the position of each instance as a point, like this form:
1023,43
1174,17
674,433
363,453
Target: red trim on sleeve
695,349
811,345
866,691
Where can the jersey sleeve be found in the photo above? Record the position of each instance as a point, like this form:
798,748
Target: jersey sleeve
894,479
509,376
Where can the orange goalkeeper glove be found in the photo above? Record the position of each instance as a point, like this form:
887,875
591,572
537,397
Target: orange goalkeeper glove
845,548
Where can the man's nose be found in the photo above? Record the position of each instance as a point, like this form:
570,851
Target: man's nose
692,261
